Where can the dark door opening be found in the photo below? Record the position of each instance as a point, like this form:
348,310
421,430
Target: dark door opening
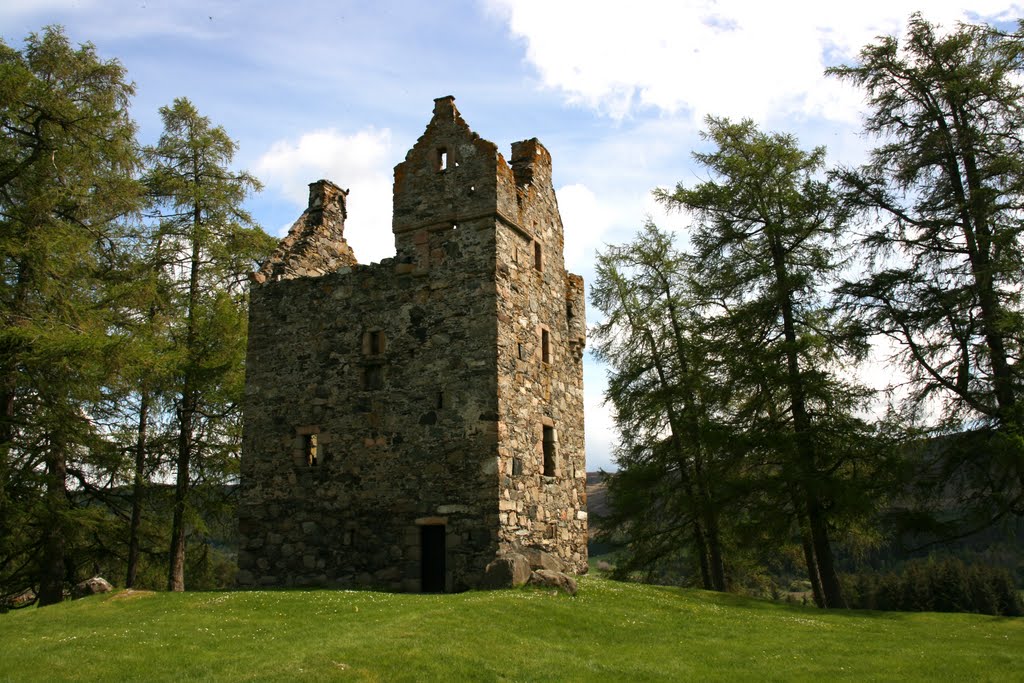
432,560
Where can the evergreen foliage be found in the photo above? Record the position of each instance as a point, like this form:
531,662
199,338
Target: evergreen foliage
944,193
207,244
116,331
68,163
773,334
765,243
938,585
671,454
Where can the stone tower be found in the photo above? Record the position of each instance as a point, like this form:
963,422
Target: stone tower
408,422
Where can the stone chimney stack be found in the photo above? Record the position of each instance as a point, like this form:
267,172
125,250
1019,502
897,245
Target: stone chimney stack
315,244
327,203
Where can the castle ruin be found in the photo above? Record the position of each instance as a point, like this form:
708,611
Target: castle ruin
408,422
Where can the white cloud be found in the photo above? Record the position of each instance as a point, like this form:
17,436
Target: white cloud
360,162
725,57
601,433
586,221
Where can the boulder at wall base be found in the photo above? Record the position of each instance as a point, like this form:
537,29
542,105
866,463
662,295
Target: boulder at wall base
539,559
506,571
547,578
93,586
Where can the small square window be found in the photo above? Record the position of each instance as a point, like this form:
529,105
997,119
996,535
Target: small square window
309,449
376,342
373,377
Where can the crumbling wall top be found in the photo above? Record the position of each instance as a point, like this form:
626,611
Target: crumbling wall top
531,163
315,244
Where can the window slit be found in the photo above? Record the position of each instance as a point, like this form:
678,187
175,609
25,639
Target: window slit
309,447
548,444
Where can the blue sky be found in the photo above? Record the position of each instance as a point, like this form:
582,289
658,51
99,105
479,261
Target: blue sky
616,91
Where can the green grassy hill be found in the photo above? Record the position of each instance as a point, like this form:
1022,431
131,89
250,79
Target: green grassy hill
610,631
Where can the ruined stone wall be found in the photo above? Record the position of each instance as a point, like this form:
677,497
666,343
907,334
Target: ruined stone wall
385,398
315,244
406,432
540,340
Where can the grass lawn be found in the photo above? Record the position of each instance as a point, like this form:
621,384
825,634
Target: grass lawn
609,632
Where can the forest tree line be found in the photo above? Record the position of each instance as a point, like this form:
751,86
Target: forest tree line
123,305
736,347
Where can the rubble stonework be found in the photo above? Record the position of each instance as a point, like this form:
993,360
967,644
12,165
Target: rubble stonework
407,423
315,244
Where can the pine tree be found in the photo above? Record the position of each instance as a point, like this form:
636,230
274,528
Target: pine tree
944,191
209,244
663,393
68,160
765,243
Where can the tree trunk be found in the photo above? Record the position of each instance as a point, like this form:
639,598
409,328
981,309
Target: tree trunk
716,566
718,581
176,572
806,457
9,387
715,574
972,196
51,583
186,417
831,590
138,490
700,541
811,561
7,410
675,438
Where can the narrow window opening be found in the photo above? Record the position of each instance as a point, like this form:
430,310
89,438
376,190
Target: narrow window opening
373,377
569,313
545,346
550,531
472,189
538,259
455,226
517,466
521,351
309,448
440,400
442,159
548,443
375,345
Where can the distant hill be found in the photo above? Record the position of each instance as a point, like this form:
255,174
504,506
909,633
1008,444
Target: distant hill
597,497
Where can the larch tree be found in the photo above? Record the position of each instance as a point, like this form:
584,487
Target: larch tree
765,233
661,388
944,191
68,163
208,245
